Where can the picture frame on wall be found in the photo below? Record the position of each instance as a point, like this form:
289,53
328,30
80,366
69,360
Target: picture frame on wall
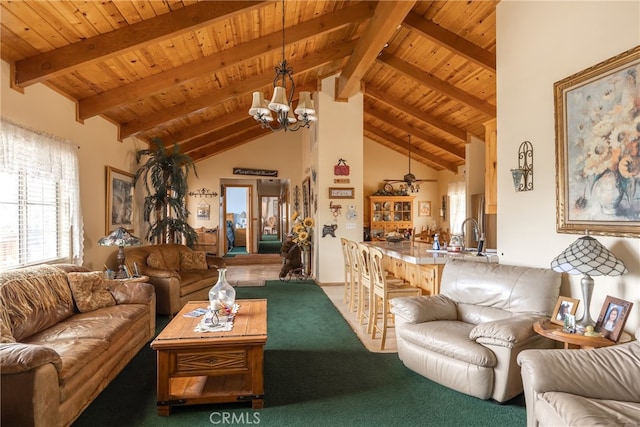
598,165
613,317
119,200
424,208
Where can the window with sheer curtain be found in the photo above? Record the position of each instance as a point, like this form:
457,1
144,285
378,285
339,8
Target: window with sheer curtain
457,206
40,217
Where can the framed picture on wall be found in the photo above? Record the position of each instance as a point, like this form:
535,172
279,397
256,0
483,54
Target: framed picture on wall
424,208
120,200
597,137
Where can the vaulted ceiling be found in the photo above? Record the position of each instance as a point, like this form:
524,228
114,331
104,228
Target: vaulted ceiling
184,71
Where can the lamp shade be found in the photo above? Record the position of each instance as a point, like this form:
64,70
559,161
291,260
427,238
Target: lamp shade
305,105
258,106
587,256
279,101
120,237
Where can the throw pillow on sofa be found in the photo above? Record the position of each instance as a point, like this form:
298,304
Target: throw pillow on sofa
196,260
156,261
89,291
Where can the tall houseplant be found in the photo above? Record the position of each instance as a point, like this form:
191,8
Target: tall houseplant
164,174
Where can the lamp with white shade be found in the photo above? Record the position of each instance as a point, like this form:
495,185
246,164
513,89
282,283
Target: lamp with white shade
588,257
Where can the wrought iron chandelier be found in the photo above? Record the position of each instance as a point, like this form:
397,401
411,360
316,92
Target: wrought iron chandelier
282,101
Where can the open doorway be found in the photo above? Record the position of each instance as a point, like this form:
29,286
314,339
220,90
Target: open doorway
236,211
269,217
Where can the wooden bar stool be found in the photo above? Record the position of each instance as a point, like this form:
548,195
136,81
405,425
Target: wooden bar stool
384,290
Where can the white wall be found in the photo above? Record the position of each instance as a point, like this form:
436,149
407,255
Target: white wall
42,109
540,43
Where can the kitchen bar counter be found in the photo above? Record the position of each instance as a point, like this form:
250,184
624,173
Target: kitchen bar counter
420,265
421,253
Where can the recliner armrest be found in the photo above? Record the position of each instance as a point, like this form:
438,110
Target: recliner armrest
424,308
505,332
603,373
19,357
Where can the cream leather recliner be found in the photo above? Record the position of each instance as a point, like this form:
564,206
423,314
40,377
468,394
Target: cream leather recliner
468,337
583,387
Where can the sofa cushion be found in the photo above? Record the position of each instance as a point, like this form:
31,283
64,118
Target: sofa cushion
196,260
33,299
89,291
449,338
156,260
558,408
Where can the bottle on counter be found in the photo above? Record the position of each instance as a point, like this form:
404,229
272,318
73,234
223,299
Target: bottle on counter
436,242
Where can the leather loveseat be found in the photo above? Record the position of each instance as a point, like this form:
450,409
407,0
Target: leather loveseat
468,337
65,335
583,387
178,273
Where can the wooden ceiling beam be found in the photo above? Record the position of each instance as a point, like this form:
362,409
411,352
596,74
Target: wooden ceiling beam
233,142
417,114
437,85
58,61
217,135
97,104
451,41
432,160
240,88
386,19
429,139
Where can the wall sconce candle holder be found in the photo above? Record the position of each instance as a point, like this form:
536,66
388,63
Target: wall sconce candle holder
443,208
523,174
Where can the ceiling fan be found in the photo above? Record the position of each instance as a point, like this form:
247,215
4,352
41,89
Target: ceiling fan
409,181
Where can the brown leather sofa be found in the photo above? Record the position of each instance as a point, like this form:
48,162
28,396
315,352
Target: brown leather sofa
583,387
65,335
178,273
468,337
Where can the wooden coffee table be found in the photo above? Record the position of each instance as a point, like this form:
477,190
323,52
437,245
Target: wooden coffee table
212,367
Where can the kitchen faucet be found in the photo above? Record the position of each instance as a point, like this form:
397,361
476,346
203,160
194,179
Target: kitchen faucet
475,233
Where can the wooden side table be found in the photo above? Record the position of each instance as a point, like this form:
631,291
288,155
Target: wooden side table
578,340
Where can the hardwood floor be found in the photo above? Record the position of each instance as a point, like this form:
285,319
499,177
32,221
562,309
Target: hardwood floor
257,271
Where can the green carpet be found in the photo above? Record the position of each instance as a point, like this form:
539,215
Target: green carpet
317,373
270,246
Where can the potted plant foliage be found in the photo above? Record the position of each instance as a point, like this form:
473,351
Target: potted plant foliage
164,174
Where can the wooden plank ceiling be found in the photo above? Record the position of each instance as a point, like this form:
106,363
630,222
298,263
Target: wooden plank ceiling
184,71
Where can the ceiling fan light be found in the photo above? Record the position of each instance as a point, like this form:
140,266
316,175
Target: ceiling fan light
305,105
258,106
279,101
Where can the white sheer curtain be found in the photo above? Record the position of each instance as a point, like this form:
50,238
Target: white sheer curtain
457,205
44,158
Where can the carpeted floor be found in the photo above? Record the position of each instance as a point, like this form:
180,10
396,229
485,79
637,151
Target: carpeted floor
317,373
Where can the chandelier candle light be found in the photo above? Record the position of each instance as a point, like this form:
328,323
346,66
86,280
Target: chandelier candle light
588,257
282,100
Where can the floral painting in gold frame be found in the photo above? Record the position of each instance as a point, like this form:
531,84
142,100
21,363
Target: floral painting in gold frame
597,113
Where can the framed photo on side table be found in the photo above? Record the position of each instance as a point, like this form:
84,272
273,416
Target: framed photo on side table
564,306
612,317
120,206
598,167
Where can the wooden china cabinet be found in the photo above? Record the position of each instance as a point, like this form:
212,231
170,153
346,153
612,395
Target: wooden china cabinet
390,213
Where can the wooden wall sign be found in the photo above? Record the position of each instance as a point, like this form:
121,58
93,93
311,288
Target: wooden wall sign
258,172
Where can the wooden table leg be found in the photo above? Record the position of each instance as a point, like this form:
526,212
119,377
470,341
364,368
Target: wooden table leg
163,383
